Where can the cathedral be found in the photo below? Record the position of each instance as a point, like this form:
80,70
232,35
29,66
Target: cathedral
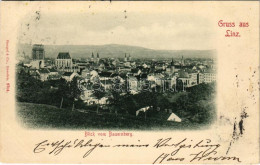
64,63
63,60
93,59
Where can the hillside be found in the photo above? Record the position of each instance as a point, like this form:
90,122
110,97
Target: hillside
43,116
114,51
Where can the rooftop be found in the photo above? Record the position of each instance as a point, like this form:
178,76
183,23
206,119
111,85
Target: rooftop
38,47
44,71
53,70
63,55
67,74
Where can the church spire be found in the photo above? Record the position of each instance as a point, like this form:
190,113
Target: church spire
125,58
129,57
92,57
182,61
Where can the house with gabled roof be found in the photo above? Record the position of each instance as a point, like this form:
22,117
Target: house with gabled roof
174,117
136,72
53,71
68,76
43,73
105,75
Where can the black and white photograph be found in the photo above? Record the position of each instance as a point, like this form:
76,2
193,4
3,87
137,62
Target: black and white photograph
116,70
133,82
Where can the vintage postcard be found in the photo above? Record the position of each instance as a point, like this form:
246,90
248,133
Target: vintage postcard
129,82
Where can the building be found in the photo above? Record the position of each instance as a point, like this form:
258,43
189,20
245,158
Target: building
92,57
85,73
145,65
182,61
174,117
129,58
193,78
63,61
54,74
105,75
170,82
209,76
144,109
38,55
157,79
183,80
125,59
132,84
53,71
172,66
97,60
127,64
68,76
200,78
107,84
136,72
43,73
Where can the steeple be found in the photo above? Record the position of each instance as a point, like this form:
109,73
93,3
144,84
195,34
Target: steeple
172,63
125,58
97,60
182,61
172,67
129,57
92,57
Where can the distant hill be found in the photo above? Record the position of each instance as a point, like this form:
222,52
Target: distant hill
115,51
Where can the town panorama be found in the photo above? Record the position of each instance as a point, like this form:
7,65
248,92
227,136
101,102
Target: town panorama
116,93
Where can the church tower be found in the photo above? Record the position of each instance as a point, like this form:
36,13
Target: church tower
172,67
97,58
182,61
129,58
38,55
125,60
92,57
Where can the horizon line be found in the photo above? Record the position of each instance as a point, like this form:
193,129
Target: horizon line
116,44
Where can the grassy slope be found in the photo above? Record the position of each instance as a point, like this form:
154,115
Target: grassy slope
46,116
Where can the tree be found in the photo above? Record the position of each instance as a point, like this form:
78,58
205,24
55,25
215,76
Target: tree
115,100
98,92
74,91
62,90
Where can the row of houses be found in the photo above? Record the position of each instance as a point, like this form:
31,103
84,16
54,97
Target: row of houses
45,74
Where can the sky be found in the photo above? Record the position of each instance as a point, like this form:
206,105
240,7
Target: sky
167,31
